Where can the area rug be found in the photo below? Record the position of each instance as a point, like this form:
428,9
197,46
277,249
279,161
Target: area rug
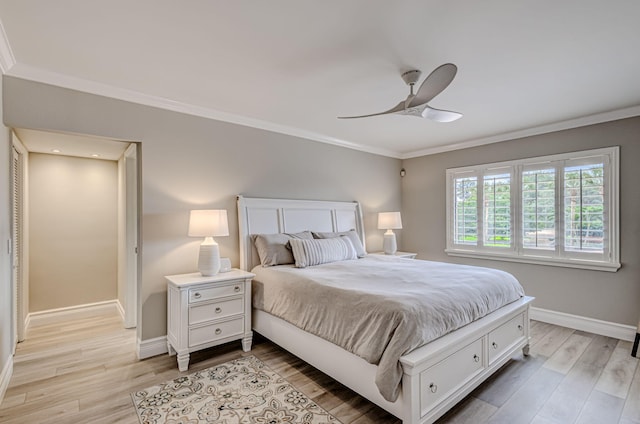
242,391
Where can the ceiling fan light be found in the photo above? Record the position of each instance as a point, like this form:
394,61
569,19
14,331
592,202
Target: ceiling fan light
440,115
418,111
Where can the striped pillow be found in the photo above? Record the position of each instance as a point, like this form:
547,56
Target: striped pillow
351,234
321,251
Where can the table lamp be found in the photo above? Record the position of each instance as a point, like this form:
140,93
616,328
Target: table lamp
389,221
208,224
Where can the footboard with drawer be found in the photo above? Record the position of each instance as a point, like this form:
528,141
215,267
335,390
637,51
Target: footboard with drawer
440,374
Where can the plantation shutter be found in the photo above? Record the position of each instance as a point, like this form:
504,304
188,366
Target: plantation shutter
496,209
466,210
538,208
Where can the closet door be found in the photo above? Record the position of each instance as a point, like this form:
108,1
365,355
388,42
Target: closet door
17,181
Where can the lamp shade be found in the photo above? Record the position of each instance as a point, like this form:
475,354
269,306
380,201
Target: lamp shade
208,223
389,221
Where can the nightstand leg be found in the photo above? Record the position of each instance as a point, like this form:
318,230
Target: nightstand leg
170,349
246,342
183,361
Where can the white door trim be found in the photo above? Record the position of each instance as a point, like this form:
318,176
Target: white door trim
131,196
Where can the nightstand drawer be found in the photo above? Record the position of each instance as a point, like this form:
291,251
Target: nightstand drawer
215,310
197,295
212,332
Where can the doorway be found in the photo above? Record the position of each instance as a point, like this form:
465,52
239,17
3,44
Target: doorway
126,155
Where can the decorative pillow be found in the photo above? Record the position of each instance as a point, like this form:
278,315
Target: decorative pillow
351,234
274,249
321,251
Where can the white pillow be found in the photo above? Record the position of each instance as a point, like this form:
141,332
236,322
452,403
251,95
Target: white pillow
321,251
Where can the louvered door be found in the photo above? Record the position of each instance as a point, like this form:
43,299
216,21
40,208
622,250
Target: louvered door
17,179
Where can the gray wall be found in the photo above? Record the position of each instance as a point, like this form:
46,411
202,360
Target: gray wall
6,293
613,297
73,231
190,162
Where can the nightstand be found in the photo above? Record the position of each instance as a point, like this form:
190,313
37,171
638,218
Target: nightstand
408,255
207,311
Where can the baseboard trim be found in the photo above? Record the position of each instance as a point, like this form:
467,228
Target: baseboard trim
5,377
152,347
120,309
72,312
27,323
590,325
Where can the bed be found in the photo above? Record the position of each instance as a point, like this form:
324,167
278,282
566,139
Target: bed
433,375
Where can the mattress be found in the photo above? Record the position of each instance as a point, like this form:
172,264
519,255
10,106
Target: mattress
382,307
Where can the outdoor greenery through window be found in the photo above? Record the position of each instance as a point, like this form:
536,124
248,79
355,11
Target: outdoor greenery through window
555,210
497,210
539,208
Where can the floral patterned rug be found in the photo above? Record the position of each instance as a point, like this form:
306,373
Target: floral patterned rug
241,391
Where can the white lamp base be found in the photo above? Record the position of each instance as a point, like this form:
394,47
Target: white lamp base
209,257
389,245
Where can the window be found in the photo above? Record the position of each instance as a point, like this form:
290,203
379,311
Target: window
466,210
539,208
554,210
496,210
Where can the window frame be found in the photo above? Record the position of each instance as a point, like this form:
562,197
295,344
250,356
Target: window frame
608,260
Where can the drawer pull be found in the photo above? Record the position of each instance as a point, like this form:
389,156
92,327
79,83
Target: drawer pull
519,327
495,345
236,289
218,310
433,387
218,331
197,295
476,358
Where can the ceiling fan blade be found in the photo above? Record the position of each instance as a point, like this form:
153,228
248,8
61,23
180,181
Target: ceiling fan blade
435,83
397,108
440,115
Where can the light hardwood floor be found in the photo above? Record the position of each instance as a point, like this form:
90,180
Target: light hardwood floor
83,371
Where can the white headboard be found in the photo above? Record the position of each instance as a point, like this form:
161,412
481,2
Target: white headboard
269,216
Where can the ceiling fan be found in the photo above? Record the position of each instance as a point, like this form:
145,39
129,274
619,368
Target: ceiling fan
416,104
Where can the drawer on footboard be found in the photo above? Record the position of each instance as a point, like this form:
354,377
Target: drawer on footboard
505,337
442,379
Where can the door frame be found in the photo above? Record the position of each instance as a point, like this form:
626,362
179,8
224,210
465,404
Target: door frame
131,240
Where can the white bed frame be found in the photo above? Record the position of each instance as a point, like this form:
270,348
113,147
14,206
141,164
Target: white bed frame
436,376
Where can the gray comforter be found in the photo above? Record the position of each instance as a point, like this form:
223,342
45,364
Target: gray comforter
381,308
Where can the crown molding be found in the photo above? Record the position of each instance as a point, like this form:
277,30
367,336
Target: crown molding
597,118
31,73
7,61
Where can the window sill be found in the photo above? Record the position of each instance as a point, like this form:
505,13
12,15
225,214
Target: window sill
536,260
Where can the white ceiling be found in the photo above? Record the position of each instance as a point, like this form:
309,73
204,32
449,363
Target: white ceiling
525,67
